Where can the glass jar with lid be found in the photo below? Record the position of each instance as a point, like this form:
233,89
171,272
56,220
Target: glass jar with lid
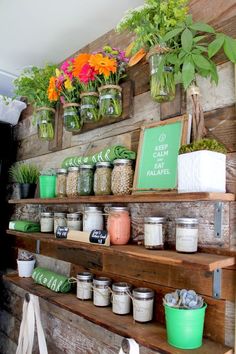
102,178
61,183
186,235
119,225
84,286
92,219
72,182
59,220
121,299
46,222
101,291
154,232
74,221
85,180
122,177
143,300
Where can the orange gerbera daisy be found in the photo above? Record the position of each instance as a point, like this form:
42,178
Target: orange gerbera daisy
102,64
52,91
79,62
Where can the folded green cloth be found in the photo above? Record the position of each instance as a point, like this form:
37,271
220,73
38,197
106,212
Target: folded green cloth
106,155
25,226
53,281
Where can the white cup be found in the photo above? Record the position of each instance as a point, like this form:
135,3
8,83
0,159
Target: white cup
25,268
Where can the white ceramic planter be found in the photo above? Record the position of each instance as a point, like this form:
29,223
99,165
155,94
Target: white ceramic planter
25,268
201,171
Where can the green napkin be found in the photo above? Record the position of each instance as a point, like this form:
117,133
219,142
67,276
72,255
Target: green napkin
25,226
106,155
53,281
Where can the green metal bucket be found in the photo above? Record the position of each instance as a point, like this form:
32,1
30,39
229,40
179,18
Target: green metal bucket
185,327
47,186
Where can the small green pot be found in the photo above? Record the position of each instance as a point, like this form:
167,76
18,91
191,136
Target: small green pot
47,186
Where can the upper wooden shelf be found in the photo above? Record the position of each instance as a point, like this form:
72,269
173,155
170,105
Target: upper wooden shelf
151,335
134,198
206,261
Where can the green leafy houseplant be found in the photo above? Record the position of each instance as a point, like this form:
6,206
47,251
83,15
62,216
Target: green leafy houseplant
204,144
27,176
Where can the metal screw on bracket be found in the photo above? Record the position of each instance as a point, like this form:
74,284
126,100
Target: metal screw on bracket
125,346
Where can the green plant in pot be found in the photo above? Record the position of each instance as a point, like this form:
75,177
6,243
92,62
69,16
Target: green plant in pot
26,175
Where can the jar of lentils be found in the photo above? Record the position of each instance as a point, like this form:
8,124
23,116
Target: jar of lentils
72,182
101,291
122,177
84,285
59,220
46,222
85,180
121,300
119,225
74,221
61,183
102,178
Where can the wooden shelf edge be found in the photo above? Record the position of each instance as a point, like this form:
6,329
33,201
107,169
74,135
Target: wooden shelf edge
150,335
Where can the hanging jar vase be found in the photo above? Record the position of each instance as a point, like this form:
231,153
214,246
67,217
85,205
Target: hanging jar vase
162,88
45,123
89,107
72,121
110,101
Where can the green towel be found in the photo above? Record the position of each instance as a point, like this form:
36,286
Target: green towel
24,226
53,281
106,155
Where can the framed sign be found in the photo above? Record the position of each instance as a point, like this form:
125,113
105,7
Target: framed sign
159,143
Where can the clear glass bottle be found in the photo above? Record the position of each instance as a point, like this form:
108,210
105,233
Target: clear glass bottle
122,177
121,299
85,180
102,178
61,183
143,300
74,221
89,107
186,235
59,220
72,182
93,219
154,232
119,225
45,123
84,286
110,101
72,121
46,222
101,291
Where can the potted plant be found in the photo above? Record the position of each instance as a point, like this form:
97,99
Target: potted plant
26,175
25,264
47,183
202,167
184,313
33,84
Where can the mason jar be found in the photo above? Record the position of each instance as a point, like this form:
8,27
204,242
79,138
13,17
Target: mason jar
154,232
85,180
119,225
121,299
186,235
46,222
45,123
72,121
92,219
122,177
61,183
59,220
89,107
102,178
74,221
72,182
101,291
110,101
84,286
143,300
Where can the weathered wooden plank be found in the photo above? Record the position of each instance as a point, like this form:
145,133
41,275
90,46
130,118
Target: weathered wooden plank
231,173
176,107
56,143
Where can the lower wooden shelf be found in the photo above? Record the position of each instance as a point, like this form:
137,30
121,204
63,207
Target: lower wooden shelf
151,335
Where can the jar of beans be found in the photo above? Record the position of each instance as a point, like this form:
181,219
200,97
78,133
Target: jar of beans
61,183
72,182
102,178
122,177
85,180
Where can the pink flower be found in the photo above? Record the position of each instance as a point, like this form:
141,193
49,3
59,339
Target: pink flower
67,67
62,99
87,74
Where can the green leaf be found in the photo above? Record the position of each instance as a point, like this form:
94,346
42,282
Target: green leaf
201,62
172,34
187,40
198,38
215,46
202,27
188,72
230,48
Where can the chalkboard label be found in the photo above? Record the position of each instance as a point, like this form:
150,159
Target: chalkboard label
98,236
62,232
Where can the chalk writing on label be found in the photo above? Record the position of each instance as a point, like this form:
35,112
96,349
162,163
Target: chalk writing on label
98,236
62,232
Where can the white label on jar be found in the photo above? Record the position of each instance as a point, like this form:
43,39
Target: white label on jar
143,310
84,290
121,304
101,297
59,222
186,239
46,225
153,235
92,221
74,224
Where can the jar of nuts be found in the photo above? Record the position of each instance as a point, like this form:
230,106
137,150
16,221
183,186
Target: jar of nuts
72,182
122,177
61,183
102,178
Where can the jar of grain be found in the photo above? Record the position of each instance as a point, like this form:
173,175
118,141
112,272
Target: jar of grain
101,291
72,182
84,285
121,299
92,219
102,178
59,220
85,180
118,225
74,221
154,232
143,299
186,235
46,222
61,183
122,177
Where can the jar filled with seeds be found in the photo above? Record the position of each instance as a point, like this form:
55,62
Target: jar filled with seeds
121,299
92,219
102,178
61,183
101,291
72,182
143,300
74,221
59,220
122,177
84,285
46,222
85,180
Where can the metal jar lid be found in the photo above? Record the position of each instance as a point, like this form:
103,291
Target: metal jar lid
73,215
186,221
122,161
93,209
84,276
117,209
155,219
121,287
102,281
58,215
71,169
62,171
90,167
48,214
143,293
103,164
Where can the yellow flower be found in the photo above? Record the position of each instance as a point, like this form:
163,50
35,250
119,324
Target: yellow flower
68,84
58,72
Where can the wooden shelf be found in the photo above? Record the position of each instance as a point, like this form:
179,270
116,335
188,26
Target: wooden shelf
151,335
205,261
